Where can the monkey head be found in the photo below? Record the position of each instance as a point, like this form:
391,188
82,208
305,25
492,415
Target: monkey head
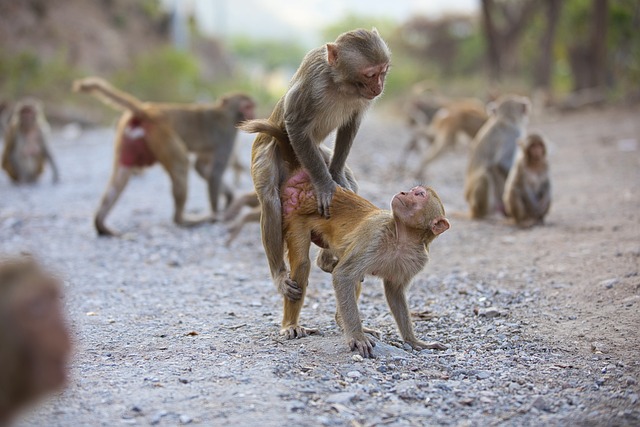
421,209
535,150
512,108
361,59
34,339
242,104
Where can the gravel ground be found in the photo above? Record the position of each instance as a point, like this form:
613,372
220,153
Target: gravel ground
173,328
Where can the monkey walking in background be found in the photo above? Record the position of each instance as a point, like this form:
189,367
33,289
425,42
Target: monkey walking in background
332,89
148,132
365,240
527,193
464,116
25,144
492,155
34,339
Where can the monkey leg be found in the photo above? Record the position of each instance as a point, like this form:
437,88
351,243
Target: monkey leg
443,141
326,260
248,199
478,196
397,302
298,242
266,170
376,333
119,178
234,229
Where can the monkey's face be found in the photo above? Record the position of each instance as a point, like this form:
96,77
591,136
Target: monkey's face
27,116
515,108
372,80
536,152
420,208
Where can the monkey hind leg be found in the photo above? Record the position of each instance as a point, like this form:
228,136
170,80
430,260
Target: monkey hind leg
117,183
478,196
298,242
234,229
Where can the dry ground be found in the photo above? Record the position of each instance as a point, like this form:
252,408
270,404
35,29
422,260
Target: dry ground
171,327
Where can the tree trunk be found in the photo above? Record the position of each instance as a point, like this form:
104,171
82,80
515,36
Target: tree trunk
599,43
492,40
544,67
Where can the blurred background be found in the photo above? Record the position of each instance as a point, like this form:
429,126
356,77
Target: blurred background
562,51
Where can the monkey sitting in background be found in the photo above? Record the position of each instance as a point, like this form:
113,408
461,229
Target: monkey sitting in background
149,132
527,193
34,339
25,143
365,240
492,155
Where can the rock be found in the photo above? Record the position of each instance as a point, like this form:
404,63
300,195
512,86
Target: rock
609,283
483,375
354,374
489,312
357,358
599,348
341,398
185,419
540,404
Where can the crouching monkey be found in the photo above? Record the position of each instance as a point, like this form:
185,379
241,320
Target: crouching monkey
366,240
149,132
25,144
34,339
527,193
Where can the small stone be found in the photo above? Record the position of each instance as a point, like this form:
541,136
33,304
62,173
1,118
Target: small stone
540,404
483,375
599,348
296,405
357,358
354,374
609,283
185,419
489,312
341,398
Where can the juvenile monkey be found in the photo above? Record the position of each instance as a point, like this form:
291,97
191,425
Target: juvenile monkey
149,132
492,155
366,240
34,339
527,193
332,89
464,116
25,144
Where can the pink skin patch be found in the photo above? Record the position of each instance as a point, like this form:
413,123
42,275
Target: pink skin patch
297,189
134,151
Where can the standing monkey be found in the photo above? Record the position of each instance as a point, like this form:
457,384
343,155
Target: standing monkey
34,338
332,89
527,193
149,132
492,155
25,144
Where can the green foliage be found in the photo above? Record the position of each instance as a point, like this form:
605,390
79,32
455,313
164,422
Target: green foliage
161,75
386,27
27,74
270,53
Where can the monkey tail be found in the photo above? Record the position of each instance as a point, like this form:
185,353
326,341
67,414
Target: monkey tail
267,127
108,94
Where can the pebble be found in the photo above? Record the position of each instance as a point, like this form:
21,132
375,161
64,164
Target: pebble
341,398
609,283
185,419
483,375
354,374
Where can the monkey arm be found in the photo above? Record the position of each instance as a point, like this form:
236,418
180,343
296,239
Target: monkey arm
344,141
545,200
49,157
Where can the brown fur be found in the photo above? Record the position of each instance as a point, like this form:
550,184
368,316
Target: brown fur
26,150
331,90
492,154
167,133
34,339
527,193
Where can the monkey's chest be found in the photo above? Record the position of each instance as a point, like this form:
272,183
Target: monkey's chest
400,265
334,116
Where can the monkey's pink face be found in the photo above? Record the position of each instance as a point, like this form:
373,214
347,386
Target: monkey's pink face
372,80
410,206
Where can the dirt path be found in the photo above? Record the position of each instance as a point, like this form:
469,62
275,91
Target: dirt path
172,328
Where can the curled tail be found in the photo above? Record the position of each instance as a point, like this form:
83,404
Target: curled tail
267,127
108,94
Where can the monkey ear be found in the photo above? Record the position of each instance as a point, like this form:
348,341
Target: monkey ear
374,30
332,53
440,225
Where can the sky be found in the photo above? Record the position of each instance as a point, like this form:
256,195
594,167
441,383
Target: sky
304,19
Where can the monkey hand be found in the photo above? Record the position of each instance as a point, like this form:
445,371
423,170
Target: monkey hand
417,344
324,194
288,287
341,179
363,344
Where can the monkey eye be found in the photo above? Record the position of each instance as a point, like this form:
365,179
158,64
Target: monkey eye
369,75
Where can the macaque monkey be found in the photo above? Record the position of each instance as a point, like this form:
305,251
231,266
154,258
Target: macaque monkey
492,155
34,338
333,87
527,193
149,132
237,222
464,116
25,144
365,240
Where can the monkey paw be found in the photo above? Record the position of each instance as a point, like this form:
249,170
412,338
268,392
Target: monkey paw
326,261
363,344
421,345
376,333
289,288
324,196
297,331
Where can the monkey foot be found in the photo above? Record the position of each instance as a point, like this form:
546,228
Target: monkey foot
376,333
421,345
363,344
297,331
